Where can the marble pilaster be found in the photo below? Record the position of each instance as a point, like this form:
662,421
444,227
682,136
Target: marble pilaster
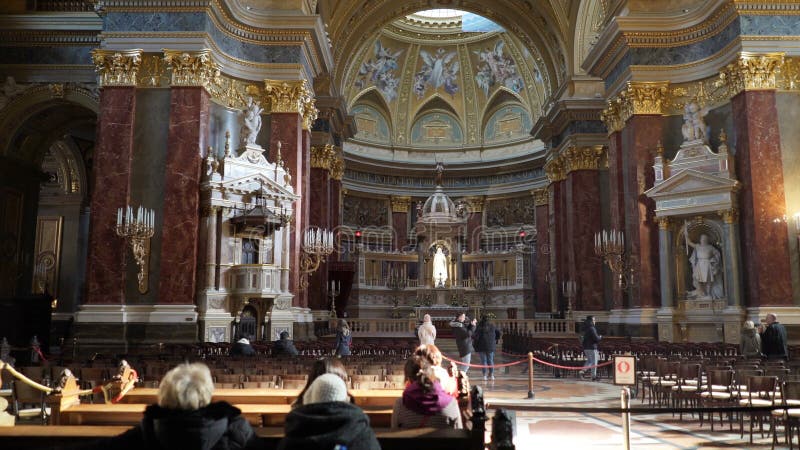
319,217
758,161
542,267
732,255
582,203
113,154
666,263
616,202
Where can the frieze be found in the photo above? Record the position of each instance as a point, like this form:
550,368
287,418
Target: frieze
363,212
117,67
467,181
193,68
509,211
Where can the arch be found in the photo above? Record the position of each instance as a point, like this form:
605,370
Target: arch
436,128
436,102
500,97
588,24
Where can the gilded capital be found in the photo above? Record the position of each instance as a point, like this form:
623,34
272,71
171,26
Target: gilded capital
475,204
193,68
555,170
400,204
729,215
541,197
663,223
751,71
583,158
337,165
286,96
645,97
612,116
309,113
117,67
323,157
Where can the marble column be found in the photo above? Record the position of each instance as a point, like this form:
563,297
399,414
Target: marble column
113,154
640,137
557,223
319,214
286,128
732,258
474,222
400,206
666,263
616,204
211,247
542,261
758,162
188,131
334,215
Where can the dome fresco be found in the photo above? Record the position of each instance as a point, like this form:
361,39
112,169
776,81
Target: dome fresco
443,88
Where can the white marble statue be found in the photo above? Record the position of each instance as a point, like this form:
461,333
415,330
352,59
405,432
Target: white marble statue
706,269
694,127
251,123
439,268
10,89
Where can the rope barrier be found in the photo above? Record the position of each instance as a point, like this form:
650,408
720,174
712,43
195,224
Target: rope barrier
481,366
41,355
643,410
557,366
6,366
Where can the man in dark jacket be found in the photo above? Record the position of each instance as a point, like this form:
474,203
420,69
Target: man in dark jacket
242,347
284,346
184,418
590,341
462,330
486,337
773,339
327,419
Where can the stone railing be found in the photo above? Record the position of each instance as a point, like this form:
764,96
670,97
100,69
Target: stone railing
382,327
537,326
257,279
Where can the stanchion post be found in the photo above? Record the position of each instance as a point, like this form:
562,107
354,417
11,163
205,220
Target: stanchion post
530,375
625,400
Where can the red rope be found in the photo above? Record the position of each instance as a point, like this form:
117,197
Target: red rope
481,366
607,363
41,355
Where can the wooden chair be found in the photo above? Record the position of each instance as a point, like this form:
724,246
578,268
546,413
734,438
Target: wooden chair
719,391
790,402
23,395
760,392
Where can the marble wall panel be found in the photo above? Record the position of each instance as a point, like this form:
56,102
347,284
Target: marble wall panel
788,105
583,219
542,261
616,188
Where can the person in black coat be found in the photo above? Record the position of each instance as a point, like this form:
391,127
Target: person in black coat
590,341
284,346
242,347
185,418
486,337
462,330
773,339
327,419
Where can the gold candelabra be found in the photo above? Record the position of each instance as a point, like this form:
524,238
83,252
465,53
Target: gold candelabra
334,290
610,245
317,245
137,228
570,290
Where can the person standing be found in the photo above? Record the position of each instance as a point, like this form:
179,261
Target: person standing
773,339
750,343
427,331
343,339
462,330
486,337
590,341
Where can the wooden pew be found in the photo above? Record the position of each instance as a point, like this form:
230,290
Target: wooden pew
131,414
363,398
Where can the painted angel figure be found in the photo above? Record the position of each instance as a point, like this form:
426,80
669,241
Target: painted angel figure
439,66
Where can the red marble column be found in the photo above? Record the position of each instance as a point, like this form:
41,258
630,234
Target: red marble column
400,229
542,258
558,248
105,271
319,206
474,227
641,136
286,128
188,130
758,161
582,196
334,211
616,188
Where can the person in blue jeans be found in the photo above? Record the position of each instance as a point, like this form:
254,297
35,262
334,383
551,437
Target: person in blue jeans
486,337
590,341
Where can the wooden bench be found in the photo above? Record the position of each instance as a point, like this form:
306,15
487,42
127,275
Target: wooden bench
363,398
54,437
131,414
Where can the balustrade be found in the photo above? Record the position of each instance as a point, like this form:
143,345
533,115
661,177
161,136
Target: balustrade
260,279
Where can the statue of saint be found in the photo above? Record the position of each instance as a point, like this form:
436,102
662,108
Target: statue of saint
694,127
251,123
439,268
706,267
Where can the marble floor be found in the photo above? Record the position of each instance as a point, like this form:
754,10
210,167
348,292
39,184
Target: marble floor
592,430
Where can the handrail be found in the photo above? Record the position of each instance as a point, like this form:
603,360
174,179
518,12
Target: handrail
6,366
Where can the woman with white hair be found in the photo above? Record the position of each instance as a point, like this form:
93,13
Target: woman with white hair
185,418
427,331
750,343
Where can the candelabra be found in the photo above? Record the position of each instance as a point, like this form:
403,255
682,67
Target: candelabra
137,229
610,245
334,290
317,245
570,290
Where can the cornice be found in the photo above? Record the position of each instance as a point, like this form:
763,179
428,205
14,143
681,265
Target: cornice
62,22
429,38
767,7
49,38
563,112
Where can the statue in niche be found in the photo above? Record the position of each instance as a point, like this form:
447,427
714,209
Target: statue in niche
251,123
706,263
439,268
694,127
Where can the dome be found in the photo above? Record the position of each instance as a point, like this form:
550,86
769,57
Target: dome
439,207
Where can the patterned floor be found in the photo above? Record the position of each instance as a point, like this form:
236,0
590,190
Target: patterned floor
587,430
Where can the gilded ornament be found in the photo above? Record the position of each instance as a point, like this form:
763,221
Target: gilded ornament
541,197
286,96
337,165
751,71
193,68
612,116
400,204
729,215
475,204
583,158
310,112
323,157
57,90
117,67
663,223
555,170
646,97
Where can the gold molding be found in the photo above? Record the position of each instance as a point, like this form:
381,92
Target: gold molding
555,170
400,204
663,223
309,112
729,216
475,204
191,68
117,67
751,71
638,98
323,157
285,96
583,158
541,197
337,165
